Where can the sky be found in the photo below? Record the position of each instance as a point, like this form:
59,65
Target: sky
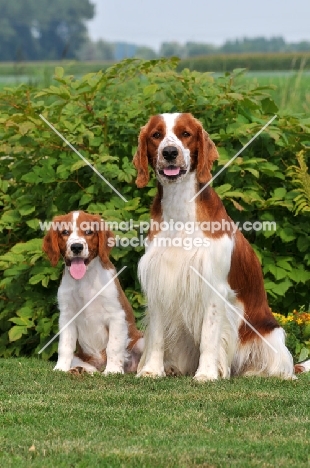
150,23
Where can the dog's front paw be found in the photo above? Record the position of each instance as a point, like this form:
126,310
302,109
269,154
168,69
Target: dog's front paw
148,372
113,370
62,367
208,376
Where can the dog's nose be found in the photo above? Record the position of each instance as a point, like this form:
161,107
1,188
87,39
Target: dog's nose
76,248
170,153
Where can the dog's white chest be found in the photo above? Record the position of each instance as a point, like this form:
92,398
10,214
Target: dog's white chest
92,312
176,204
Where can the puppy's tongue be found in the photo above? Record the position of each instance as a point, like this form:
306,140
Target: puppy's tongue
77,268
173,171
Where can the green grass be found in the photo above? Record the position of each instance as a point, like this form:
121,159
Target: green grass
122,421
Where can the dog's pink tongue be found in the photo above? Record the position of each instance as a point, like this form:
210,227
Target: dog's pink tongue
171,172
77,268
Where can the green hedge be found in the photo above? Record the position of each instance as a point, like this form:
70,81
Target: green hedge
255,61
101,115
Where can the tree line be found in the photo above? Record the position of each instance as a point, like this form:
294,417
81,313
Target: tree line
55,30
104,50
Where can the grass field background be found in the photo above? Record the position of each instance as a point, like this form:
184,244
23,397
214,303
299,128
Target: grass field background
54,419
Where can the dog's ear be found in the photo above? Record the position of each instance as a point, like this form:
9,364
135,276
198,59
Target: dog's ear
50,246
106,242
207,154
140,160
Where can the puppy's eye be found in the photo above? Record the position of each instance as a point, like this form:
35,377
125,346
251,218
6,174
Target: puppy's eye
88,232
156,135
65,232
186,134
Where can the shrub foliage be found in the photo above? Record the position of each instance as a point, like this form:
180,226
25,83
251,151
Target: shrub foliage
100,115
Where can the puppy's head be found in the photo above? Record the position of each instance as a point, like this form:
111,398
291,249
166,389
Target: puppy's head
174,145
78,237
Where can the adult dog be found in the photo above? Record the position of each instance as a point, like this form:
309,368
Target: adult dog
208,314
103,328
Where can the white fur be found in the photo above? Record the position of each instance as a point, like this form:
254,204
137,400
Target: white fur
171,139
101,325
257,358
76,238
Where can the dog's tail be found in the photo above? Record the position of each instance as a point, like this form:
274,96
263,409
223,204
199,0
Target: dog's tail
302,367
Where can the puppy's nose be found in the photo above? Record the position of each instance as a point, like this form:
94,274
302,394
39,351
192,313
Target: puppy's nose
170,153
76,248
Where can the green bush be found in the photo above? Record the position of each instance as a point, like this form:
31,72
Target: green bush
101,115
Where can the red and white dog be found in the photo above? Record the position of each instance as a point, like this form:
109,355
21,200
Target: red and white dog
105,330
208,314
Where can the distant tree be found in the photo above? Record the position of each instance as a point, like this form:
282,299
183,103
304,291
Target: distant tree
170,49
100,50
193,49
123,50
144,52
303,46
256,44
44,29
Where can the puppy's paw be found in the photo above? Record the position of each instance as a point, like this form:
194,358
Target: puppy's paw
78,370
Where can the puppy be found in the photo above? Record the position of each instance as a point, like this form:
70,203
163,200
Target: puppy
96,318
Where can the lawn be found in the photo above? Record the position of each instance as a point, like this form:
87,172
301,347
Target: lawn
52,419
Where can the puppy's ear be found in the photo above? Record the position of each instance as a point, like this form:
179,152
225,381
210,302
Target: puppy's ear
106,242
140,160
207,154
50,246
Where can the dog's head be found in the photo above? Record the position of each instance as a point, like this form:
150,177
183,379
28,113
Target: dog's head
174,145
78,237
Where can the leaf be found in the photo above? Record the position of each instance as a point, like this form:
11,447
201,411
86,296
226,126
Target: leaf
21,321
236,205
36,278
16,332
278,273
284,264
150,90
304,353
59,72
78,164
287,234
31,178
26,210
279,192
269,106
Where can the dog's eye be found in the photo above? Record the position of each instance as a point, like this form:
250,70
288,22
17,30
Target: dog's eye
156,135
186,134
65,232
88,232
